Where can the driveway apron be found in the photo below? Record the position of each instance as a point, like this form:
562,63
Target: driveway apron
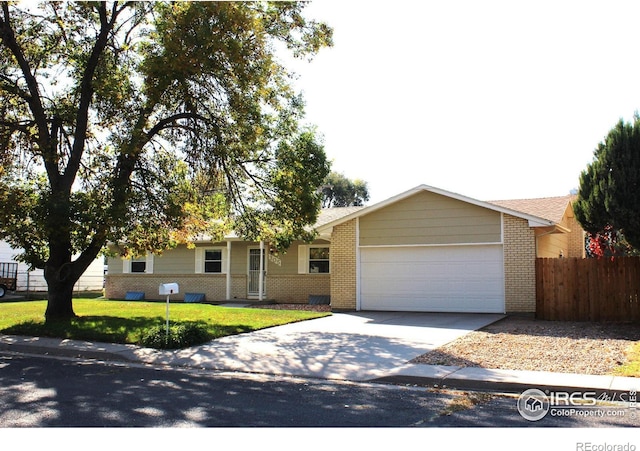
347,346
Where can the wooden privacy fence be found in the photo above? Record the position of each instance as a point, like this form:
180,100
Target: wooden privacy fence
588,289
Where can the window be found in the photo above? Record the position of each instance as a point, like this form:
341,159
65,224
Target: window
313,259
139,264
318,260
213,260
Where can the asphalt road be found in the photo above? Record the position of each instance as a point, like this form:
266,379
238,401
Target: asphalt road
48,392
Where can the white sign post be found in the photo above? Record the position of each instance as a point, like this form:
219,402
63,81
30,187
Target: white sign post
168,289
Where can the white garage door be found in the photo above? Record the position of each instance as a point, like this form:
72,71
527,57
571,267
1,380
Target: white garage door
432,279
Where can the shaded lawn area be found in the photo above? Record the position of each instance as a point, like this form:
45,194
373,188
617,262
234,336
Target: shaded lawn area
126,321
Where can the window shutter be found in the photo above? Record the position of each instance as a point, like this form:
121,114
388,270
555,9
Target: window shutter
199,260
223,260
126,265
303,259
149,264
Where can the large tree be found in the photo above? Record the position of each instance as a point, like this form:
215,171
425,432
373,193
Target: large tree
608,197
147,123
340,191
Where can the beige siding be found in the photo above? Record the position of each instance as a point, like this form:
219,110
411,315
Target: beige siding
284,262
569,244
180,260
114,265
283,283
287,262
553,245
429,218
240,256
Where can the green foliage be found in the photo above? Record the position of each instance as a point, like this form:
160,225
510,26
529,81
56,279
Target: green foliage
23,206
293,200
180,336
150,123
340,191
608,193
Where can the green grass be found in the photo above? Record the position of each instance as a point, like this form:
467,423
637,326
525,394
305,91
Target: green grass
632,366
126,322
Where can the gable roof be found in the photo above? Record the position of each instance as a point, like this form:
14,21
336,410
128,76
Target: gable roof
541,212
534,220
551,208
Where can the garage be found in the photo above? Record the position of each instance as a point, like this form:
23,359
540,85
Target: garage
457,278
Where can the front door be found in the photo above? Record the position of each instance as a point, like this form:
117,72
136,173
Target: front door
253,290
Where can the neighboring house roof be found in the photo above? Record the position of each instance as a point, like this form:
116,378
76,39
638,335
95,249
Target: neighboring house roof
328,215
325,216
551,208
534,220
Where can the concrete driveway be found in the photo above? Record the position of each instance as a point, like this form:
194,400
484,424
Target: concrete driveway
347,346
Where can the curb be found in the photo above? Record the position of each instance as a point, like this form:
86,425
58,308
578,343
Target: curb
73,353
63,348
444,377
509,381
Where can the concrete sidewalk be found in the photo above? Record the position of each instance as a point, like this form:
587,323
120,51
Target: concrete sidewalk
364,346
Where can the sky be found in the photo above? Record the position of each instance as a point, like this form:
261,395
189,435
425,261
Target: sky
488,99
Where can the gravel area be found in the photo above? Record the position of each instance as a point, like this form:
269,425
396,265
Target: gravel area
517,343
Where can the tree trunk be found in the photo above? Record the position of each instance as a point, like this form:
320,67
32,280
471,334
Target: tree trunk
60,303
59,271
60,276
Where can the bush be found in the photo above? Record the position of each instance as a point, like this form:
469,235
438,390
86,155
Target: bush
180,336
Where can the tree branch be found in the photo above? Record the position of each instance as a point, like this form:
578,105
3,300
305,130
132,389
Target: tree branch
23,127
86,95
34,100
11,86
169,122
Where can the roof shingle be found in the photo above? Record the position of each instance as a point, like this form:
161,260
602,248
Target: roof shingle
550,208
328,215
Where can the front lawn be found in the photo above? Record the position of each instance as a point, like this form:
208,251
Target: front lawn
631,368
126,322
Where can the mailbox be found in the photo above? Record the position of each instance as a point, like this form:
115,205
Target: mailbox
169,288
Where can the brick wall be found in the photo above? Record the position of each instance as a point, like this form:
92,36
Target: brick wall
519,265
213,286
296,288
343,266
576,238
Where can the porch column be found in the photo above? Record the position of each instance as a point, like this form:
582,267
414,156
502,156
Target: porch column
228,269
261,275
